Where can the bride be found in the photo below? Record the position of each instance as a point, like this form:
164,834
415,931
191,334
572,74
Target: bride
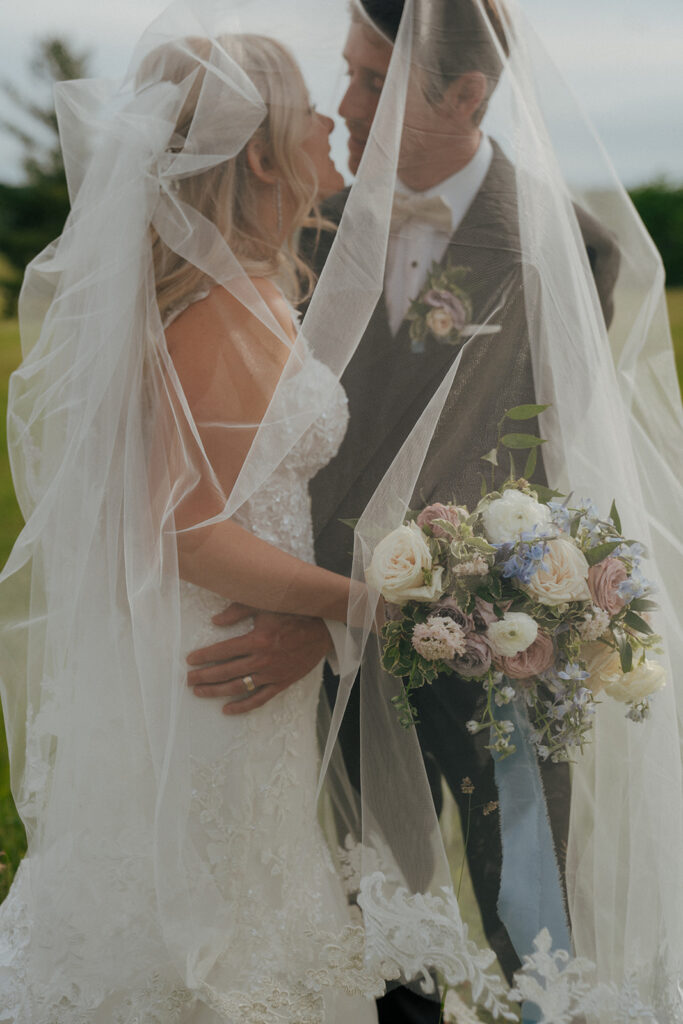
187,866
251,830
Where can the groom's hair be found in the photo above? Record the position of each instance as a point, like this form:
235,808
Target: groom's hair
462,36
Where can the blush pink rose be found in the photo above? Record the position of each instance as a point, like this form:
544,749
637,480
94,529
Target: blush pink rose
538,657
603,583
438,511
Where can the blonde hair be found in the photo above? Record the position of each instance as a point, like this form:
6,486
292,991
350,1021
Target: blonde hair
227,195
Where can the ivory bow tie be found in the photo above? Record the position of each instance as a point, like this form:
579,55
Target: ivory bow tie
432,210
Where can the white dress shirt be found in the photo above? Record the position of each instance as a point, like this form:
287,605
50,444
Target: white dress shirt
415,246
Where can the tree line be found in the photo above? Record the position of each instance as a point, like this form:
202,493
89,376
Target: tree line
32,213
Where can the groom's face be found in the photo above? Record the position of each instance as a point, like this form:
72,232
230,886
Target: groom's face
367,55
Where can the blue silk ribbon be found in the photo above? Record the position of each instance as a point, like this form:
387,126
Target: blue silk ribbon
530,896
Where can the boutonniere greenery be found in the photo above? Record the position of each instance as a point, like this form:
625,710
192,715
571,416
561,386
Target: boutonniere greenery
443,308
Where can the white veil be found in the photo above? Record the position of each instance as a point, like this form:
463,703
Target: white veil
111,462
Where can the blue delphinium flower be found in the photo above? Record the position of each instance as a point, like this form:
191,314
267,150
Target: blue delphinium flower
526,557
590,525
561,515
636,585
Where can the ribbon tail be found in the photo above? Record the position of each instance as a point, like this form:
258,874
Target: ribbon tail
530,896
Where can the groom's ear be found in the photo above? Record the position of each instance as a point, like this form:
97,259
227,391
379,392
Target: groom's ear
260,162
465,94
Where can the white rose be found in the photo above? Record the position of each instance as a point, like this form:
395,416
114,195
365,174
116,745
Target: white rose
639,683
440,322
564,579
506,518
512,634
398,565
602,664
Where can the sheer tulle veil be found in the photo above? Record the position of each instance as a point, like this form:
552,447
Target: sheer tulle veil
109,462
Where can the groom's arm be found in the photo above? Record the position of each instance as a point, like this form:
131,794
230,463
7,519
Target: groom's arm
278,651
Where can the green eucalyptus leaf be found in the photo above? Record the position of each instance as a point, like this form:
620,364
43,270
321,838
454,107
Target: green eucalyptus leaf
642,604
546,494
614,516
597,554
635,622
531,463
525,412
625,655
520,442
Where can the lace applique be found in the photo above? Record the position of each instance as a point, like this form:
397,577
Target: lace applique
410,935
564,989
159,1003
273,1005
422,932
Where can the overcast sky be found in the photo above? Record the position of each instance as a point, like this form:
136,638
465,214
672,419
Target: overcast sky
621,57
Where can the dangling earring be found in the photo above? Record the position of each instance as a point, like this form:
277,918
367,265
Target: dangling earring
278,205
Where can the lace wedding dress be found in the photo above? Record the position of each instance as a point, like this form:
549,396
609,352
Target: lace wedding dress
255,828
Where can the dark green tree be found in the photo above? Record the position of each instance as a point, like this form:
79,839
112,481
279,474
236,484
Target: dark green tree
660,205
33,212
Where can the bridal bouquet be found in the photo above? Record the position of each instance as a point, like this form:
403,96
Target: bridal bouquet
529,596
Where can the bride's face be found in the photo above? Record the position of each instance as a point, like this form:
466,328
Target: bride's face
316,146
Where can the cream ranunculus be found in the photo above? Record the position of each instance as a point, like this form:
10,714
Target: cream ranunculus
398,567
565,576
512,634
637,684
506,518
602,664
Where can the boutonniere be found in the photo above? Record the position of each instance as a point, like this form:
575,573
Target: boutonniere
443,308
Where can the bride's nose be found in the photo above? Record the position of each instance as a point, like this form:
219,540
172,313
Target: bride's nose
328,122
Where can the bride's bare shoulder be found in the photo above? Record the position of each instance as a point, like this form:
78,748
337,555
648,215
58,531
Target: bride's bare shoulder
222,316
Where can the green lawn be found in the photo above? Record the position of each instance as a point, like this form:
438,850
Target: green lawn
11,834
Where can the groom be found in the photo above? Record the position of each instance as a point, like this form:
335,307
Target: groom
476,183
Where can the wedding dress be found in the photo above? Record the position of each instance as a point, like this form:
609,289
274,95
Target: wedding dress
253,813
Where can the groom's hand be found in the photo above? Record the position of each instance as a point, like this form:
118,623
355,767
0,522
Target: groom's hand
278,651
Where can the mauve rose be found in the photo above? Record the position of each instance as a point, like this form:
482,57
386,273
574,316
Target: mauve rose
476,661
438,511
448,606
603,583
484,614
531,662
447,300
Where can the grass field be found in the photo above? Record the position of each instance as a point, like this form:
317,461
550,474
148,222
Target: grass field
12,841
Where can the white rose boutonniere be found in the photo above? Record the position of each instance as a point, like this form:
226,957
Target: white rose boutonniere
401,567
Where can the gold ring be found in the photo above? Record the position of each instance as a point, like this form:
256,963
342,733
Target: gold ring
248,683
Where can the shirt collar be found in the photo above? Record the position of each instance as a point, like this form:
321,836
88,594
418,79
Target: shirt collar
460,189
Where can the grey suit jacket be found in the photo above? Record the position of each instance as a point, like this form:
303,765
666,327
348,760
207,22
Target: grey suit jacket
388,385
